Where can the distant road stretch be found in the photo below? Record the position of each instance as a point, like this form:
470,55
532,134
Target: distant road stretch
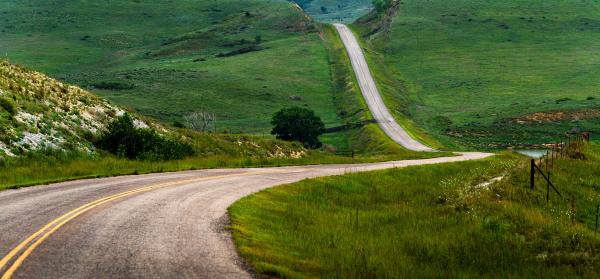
371,94
170,225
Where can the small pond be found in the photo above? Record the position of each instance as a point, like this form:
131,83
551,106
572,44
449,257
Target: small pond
533,153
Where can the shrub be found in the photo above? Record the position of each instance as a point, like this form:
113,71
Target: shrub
8,105
114,85
126,141
178,124
298,124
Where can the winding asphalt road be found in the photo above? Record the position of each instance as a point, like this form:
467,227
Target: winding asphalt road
169,225
371,94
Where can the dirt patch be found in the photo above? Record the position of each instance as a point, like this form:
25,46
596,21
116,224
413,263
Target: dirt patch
555,116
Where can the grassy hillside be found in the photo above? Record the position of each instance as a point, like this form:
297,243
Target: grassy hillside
463,220
37,112
489,73
50,130
242,60
336,10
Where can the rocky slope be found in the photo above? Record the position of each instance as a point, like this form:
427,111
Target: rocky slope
38,112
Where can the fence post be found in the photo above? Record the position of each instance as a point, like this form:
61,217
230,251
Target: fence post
548,189
553,153
597,213
547,160
532,175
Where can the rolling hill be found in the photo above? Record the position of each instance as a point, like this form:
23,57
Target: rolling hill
39,114
489,74
241,62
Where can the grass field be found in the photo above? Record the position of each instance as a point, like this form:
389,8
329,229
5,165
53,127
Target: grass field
475,73
438,221
240,61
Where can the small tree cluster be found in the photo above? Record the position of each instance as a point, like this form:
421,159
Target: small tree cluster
126,141
298,124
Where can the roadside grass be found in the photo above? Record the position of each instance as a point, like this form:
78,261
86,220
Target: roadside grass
467,71
160,59
435,221
212,151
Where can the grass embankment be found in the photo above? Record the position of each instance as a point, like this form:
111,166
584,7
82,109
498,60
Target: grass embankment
473,73
427,221
240,61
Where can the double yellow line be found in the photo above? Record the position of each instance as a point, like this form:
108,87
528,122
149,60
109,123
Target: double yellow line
34,240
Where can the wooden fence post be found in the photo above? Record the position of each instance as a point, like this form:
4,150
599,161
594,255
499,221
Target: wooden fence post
548,189
597,213
532,175
553,153
547,159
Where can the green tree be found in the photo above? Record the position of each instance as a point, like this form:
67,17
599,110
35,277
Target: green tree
298,124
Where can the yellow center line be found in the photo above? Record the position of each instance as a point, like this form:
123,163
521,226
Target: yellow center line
62,220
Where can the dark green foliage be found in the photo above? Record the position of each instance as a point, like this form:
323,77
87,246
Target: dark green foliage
8,105
298,124
113,85
381,5
243,50
126,141
178,124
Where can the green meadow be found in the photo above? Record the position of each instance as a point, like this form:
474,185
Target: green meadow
475,219
473,73
167,59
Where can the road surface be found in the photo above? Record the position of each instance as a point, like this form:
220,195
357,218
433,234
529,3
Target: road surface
371,94
169,225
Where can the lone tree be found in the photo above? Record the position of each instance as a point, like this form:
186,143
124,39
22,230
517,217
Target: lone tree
298,124
200,121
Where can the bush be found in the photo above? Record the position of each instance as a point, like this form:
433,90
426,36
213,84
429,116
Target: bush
114,85
8,105
126,141
298,124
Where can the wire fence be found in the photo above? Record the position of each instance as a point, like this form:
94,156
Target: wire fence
569,147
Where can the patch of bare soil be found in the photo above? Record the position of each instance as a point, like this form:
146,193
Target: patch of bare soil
555,116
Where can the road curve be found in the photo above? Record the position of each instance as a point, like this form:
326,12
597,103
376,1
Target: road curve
371,94
169,225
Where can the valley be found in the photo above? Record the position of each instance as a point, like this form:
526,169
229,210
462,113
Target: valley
299,139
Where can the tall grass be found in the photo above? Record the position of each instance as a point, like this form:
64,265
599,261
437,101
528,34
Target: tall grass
44,168
424,222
